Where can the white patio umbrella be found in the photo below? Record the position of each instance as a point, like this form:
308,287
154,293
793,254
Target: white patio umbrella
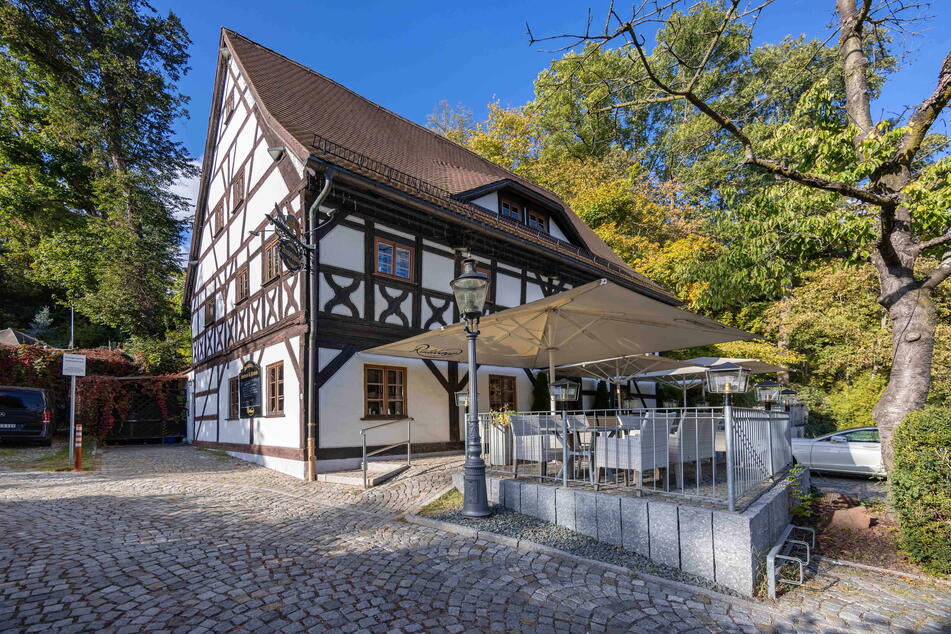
598,320
620,370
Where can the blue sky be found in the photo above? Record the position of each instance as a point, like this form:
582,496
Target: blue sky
407,56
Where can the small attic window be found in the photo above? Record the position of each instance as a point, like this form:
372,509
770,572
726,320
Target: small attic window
229,107
511,210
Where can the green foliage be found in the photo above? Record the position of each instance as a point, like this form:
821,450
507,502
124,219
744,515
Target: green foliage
41,324
541,399
921,487
802,503
88,156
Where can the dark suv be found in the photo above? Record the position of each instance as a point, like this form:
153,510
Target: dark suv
26,413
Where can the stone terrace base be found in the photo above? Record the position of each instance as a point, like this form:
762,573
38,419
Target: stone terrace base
728,548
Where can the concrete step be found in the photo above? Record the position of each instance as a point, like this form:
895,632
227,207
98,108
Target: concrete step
377,473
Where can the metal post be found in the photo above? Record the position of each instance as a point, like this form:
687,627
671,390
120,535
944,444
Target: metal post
364,465
475,500
78,465
728,428
72,394
409,441
564,450
769,444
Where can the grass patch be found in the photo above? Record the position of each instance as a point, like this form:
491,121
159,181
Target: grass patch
446,503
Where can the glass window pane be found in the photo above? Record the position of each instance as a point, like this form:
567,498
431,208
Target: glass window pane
395,408
374,375
374,408
394,377
384,258
402,263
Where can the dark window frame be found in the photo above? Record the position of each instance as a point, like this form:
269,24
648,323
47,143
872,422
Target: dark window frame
229,106
495,404
242,281
233,398
384,399
210,311
237,190
540,215
219,215
377,241
513,205
275,388
271,266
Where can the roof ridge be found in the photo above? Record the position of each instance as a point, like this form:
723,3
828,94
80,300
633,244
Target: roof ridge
435,134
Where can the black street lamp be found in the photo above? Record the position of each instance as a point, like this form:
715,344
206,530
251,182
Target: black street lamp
469,290
767,393
788,398
728,379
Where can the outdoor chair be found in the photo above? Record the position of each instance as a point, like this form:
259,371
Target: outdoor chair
632,421
692,441
534,439
635,450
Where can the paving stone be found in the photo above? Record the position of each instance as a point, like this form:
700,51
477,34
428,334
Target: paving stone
172,539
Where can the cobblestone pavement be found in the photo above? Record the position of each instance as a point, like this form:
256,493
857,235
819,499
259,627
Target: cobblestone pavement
177,539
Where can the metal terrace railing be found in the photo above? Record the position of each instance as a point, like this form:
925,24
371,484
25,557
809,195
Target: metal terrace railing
472,211
723,456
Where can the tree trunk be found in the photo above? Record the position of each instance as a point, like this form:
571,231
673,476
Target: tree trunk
913,319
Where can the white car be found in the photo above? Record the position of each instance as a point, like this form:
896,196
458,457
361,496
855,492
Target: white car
851,451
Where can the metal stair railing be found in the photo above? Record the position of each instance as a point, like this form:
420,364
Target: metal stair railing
408,442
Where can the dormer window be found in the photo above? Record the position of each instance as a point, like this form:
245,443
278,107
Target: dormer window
510,210
537,220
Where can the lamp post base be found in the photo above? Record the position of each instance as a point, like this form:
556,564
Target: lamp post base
476,499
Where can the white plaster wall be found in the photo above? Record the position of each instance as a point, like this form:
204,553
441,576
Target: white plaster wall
342,403
395,232
532,292
556,231
437,272
274,431
508,290
295,468
489,201
343,247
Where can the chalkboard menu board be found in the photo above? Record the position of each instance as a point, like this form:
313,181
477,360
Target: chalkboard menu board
249,390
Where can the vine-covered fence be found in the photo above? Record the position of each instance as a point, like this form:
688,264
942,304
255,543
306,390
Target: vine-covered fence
114,401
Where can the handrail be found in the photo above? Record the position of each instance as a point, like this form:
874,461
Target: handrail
409,444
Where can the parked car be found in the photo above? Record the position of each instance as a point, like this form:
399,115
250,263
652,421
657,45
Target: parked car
851,451
26,413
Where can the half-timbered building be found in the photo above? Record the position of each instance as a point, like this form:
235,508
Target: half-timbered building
403,206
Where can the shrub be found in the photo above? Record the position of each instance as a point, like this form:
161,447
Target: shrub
921,487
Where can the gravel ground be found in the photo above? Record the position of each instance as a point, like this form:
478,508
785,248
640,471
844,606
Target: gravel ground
511,524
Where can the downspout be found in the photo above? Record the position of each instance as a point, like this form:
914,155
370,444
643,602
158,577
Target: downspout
312,277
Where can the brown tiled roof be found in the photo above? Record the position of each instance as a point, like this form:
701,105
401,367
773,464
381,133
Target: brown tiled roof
325,117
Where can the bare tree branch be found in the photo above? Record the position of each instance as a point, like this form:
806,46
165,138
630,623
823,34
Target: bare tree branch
925,115
938,275
934,242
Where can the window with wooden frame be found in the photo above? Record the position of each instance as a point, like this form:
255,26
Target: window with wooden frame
502,392
219,215
242,284
229,107
233,397
237,190
275,388
510,209
537,220
394,259
209,311
385,391
271,264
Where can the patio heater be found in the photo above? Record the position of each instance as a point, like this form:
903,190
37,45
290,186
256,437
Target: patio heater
728,379
767,393
469,290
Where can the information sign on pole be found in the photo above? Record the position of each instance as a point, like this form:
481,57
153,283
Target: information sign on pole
74,365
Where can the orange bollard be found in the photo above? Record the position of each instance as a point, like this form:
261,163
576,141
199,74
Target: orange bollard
78,447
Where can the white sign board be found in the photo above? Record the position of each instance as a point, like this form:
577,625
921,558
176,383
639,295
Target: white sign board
74,365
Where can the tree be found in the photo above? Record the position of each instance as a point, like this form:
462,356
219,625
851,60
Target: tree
41,323
87,105
887,173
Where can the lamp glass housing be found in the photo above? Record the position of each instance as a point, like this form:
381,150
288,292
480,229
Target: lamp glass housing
767,391
469,290
727,378
788,397
564,390
462,398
